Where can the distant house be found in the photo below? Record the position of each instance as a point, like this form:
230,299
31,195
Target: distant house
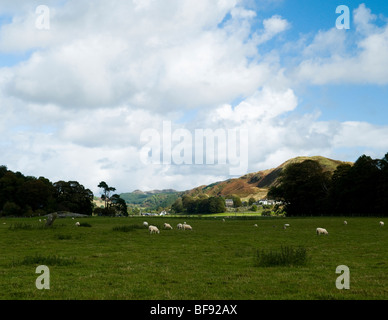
229,202
266,202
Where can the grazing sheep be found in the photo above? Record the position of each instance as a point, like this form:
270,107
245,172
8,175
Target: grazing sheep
179,226
286,225
322,231
187,226
345,222
167,226
145,223
381,223
153,229
255,225
77,224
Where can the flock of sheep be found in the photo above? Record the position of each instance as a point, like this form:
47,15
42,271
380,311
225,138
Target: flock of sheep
324,231
167,226
184,226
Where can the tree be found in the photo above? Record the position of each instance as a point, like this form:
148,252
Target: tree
304,187
366,179
37,194
11,209
72,196
107,191
340,198
236,201
220,205
177,206
119,205
3,171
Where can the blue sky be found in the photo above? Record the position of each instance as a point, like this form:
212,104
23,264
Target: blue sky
79,95
342,102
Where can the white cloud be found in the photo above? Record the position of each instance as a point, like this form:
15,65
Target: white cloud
106,71
355,66
272,27
168,56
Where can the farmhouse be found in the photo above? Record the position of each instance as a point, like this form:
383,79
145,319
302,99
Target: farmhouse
229,202
266,202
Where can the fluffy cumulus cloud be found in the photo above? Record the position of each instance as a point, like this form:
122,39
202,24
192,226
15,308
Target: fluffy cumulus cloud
361,63
106,71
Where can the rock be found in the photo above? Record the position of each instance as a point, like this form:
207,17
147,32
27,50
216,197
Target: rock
50,219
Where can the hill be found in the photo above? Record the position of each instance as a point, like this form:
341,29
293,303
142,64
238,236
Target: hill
257,184
151,199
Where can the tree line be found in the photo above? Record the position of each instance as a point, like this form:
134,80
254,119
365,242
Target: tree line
201,204
359,189
22,195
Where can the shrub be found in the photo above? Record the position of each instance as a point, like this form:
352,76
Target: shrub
266,213
11,209
105,212
287,256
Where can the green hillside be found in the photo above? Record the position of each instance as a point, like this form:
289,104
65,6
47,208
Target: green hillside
257,184
151,199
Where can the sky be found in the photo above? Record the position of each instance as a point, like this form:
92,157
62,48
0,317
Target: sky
128,92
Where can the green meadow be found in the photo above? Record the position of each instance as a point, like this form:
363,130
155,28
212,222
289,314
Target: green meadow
117,259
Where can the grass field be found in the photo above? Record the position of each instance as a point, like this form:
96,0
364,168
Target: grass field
116,258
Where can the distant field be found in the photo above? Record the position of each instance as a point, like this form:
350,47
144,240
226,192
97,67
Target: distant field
217,260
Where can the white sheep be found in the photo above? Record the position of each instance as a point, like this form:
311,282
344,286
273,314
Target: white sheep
345,222
322,231
145,223
77,224
255,225
381,223
179,226
286,225
167,226
153,229
187,226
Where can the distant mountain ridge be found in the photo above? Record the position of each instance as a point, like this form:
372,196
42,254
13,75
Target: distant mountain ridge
254,185
257,184
154,191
